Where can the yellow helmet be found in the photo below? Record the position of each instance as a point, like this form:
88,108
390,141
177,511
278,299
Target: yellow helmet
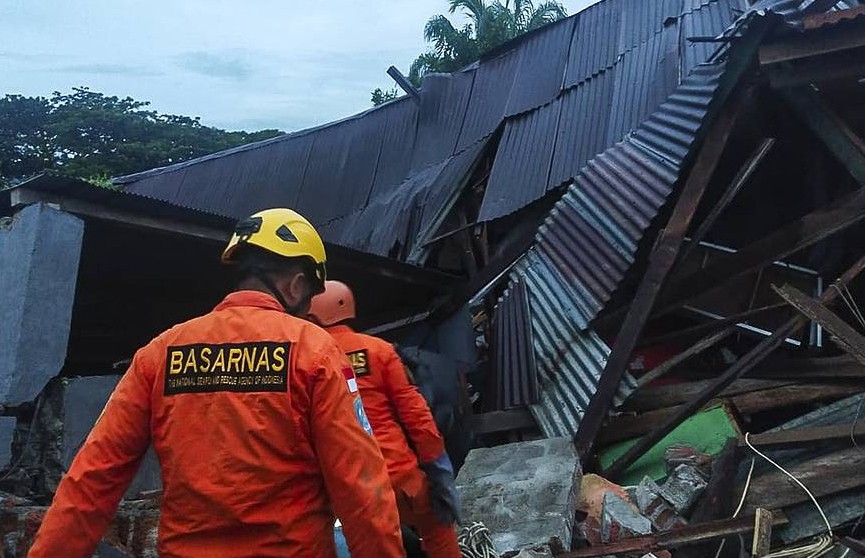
283,232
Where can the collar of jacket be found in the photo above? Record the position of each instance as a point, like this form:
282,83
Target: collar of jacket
256,299
339,328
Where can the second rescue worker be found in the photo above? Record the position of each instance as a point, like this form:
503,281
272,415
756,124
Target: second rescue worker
401,420
260,440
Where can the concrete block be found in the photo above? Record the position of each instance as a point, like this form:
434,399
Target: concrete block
525,493
650,503
83,401
7,435
39,255
683,488
620,520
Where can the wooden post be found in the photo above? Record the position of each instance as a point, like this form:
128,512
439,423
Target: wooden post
844,336
661,260
740,180
737,370
762,533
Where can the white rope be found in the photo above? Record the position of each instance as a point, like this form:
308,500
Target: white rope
741,503
794,479
476,542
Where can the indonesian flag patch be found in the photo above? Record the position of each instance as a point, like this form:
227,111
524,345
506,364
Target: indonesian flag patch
348,372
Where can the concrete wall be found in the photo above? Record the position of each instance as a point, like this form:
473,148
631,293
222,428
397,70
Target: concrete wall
39,253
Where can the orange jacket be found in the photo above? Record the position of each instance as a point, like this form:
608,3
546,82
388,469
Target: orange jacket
395,407
259,440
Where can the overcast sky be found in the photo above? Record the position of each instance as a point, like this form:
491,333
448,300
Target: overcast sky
241,64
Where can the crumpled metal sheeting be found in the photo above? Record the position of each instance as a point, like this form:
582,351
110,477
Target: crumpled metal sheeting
409,210
568,361
591,236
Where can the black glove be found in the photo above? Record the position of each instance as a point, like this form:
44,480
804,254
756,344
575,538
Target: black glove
443,492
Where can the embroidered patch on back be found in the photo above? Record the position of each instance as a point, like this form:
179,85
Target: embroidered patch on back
260,366
360,362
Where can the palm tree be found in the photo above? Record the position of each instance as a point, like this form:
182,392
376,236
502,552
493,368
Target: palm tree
490,24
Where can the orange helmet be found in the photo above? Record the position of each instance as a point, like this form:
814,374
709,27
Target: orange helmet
334,305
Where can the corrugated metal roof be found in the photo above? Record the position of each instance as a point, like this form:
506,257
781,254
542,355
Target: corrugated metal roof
394,222
516,384
564,93
522,163
591,236
604,108
564,361
442,111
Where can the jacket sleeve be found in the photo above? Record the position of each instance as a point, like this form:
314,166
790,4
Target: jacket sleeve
88,495
411,408
353,468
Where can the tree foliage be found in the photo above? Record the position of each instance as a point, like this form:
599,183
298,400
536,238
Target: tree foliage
91,135
489,25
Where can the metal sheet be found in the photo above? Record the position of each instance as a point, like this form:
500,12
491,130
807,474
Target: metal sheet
592,234
493,81
444,100
541,67
397,220
516,382
522,164
567,360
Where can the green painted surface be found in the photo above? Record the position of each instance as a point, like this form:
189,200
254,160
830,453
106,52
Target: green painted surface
707,431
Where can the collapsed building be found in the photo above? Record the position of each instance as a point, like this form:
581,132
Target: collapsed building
621,248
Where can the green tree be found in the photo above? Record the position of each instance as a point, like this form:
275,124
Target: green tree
91,135
380,95
489,25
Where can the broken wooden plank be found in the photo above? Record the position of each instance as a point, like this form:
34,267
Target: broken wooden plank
737,183
697,348
791,238
762,541
664,397
803,46
502,421
808,437
737,370
661,261
831,368
828,474
844,336
844,65
627,426
686,536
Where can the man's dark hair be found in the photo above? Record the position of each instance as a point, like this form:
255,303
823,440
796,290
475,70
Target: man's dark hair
252,261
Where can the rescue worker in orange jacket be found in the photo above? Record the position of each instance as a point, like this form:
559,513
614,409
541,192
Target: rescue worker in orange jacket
260,438
419,467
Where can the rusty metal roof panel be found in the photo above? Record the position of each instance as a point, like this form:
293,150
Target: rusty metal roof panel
592,234
566,362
